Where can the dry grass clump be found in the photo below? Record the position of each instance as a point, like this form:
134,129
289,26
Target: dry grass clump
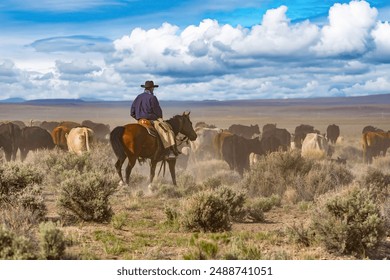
349,222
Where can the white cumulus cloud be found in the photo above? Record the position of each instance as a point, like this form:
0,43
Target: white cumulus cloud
348,29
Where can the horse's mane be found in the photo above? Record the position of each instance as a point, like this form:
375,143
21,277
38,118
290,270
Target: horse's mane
175,123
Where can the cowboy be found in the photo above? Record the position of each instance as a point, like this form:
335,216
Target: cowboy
146,107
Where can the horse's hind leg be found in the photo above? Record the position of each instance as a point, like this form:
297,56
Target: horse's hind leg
118,166
130,165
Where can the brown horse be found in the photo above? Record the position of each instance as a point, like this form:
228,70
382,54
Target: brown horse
133,141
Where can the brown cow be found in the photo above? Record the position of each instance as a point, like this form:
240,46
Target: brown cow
59,136
374,144
218,141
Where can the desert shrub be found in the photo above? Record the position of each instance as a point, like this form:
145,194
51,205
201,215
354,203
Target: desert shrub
300,234
14,247
212,183
16,176
52,242
378,182
349,223
61,165
274,172
235,201
18,219
386,213
323,177
19,188
118,221
31,199
206,211
86,197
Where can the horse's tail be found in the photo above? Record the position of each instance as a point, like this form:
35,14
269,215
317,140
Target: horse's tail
116,141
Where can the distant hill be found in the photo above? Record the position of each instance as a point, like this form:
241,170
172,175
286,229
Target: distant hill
320,101
13,100
58,101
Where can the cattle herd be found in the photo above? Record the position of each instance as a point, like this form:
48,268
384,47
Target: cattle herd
72,136
239,145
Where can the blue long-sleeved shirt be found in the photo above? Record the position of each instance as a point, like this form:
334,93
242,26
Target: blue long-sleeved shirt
146,106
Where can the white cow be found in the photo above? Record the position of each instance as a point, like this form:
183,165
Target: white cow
315,146
203,147
79,139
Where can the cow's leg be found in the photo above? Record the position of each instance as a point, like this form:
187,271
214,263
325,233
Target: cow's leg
172,164
130,165
23,154
8,155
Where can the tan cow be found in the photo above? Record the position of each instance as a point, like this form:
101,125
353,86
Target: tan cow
315,146
79,140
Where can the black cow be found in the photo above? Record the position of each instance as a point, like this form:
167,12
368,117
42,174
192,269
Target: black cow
101,131
332,133
10,139
283,136
236,150
34,138
300,133
244,130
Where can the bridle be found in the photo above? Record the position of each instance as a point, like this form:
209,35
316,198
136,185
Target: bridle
184,138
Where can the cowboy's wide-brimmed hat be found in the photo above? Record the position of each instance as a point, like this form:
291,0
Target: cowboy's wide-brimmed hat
149,84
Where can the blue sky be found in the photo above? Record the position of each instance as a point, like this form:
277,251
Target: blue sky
222,49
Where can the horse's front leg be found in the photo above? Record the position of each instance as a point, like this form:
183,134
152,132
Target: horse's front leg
153,164
172,164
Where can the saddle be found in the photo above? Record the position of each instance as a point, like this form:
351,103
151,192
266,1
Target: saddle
148,124
149,127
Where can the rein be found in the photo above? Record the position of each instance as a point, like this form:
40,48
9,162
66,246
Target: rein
177,125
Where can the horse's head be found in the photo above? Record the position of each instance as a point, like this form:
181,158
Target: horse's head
186,127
